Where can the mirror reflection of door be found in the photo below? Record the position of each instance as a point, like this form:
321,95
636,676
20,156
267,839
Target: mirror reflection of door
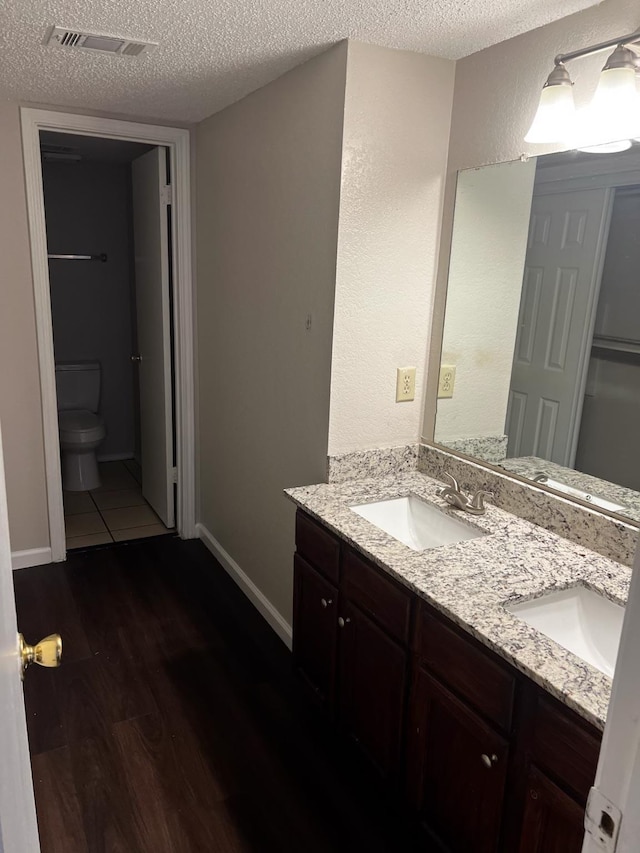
542,324
608,439
565,250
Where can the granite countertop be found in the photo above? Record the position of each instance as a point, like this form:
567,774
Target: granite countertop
530,466
470,582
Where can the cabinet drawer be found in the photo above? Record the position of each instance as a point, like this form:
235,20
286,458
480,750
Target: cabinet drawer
373,593
319,547
565,747
465,668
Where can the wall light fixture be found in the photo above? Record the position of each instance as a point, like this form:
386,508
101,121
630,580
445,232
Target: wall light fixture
611,120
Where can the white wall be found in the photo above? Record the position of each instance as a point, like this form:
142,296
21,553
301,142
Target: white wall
88,211
495,98
268,193
396,130
488,250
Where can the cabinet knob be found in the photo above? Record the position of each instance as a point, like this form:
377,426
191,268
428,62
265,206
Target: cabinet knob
325,603
533,794
342,622
488,761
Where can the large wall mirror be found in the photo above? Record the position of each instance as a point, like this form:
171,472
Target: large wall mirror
540,365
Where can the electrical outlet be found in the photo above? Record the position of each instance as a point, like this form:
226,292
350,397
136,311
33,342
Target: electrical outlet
447,380
405,384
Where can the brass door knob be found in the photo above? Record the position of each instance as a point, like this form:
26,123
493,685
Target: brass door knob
47,652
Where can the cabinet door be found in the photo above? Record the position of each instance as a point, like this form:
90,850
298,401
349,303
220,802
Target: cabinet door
315,630
457,766
372,688
553,821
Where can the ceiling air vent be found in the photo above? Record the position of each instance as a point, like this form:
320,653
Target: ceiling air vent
63,37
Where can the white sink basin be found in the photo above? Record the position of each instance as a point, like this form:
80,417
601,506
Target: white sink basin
415,523
580,620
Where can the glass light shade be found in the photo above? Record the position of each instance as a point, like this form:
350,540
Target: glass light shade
608,147
554,118
612,116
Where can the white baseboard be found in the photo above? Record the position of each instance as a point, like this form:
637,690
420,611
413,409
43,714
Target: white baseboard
255,596
30,557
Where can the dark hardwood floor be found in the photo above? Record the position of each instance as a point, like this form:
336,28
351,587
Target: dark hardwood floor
174,723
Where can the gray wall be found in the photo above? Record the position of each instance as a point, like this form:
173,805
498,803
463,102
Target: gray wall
268,193
88,211
20,407
608,443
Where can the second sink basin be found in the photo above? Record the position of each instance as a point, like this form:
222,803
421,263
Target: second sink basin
582,621
415,523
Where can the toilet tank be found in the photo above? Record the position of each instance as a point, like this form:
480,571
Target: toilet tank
78,385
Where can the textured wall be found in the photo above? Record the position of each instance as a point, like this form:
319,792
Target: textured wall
485,282
20,411
397,114
496,94
88,211
267,223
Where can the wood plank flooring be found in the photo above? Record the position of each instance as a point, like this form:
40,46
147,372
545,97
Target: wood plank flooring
175,725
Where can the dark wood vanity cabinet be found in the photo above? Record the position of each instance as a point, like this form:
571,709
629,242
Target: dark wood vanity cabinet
488,760
461,711
350,643
456,768
373,674
562,755
315,635
552,821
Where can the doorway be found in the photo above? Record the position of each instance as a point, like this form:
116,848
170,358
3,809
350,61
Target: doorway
108,250
122,317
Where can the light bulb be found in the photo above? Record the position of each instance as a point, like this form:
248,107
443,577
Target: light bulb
613,116
556,109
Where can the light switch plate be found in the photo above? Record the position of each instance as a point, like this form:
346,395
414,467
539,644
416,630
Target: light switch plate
447,380
405,384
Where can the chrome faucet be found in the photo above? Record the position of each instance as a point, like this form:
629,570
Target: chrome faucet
455,497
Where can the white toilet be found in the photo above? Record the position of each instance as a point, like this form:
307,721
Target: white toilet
81,429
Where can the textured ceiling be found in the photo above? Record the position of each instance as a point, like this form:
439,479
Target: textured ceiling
213,53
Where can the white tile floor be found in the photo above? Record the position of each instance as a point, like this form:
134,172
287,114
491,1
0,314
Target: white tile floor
116,512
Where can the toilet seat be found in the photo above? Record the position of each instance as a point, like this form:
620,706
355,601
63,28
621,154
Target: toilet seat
79,426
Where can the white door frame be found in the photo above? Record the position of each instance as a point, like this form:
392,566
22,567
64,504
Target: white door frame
617,784
177,140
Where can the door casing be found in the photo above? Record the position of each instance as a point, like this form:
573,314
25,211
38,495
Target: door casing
177,140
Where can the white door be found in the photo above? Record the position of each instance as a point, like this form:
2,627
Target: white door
153,311
18,826
563,266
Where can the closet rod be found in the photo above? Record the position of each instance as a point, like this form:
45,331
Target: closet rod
101,257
